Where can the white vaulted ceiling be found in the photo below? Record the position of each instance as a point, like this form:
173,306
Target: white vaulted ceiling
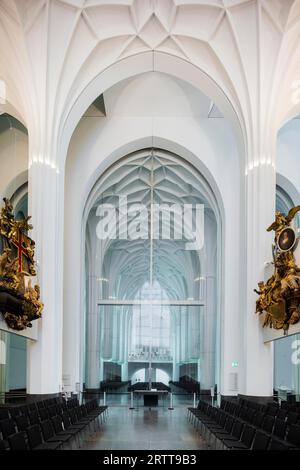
161,178
51,50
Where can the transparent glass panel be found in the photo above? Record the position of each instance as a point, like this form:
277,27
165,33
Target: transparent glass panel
159,342
287,367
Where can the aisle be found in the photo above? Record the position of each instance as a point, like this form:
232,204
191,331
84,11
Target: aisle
153,429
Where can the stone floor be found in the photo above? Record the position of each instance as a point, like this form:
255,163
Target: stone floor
150,429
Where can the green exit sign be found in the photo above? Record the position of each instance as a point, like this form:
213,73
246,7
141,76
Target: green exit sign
234,364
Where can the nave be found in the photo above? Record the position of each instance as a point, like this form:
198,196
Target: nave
146,429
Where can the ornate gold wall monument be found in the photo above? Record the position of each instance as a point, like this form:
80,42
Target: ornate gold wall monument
20,302
279,296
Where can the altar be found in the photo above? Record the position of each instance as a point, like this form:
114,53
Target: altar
150,397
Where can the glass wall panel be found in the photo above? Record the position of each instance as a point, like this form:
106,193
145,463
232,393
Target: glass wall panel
179,340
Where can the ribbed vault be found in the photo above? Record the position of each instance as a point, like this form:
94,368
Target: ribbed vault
123,266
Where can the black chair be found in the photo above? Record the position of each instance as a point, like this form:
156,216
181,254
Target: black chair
292,418
272,410
57,423
49,434
261,441
282,414
7,427
293,435
32,407
70,428
279,428
268,423
22,422
52,411
2,445
44,415
258,419
227,428
68,424
235,434
278,445
24,409
34,417
81,418
4,413
36,442
245,440
18,441
74,420
14,412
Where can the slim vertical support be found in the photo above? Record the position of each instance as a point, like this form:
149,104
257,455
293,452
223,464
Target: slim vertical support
171,401
194,400
104,399
131,401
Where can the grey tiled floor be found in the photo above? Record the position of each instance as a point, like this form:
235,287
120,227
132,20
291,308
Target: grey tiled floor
154,429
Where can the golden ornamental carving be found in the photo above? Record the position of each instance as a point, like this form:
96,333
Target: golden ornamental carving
279,296
19,301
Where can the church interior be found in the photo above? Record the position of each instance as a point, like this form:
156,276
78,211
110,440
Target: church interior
149,225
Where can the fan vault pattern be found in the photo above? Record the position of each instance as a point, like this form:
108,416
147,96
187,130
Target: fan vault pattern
146,178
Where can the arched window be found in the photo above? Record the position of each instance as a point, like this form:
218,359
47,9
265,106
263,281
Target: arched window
151,242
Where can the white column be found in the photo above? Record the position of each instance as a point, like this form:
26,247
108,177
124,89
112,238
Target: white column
93,336
207,343
46,205
3,365
124,372
296,370
256,370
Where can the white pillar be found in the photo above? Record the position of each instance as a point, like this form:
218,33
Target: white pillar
46,205
124,372
93,336
207,343
3,365
256,370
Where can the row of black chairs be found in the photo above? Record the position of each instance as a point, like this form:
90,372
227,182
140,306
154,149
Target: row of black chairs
271,407
247,407
49,425
244,428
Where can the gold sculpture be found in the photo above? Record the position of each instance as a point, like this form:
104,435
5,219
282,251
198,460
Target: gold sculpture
282,221
279,296
19,304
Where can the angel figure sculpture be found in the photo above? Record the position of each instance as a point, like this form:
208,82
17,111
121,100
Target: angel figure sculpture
281,221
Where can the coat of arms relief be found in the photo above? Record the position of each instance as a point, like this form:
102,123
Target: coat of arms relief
20,301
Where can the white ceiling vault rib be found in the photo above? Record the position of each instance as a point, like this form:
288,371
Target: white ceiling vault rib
86,37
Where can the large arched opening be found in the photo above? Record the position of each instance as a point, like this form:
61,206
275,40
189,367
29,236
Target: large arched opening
152,271
104,139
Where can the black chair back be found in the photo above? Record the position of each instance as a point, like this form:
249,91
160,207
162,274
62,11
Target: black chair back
18,441
261,441
7,427
4,413
34,436
293,435
22,422
279,428
47,429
